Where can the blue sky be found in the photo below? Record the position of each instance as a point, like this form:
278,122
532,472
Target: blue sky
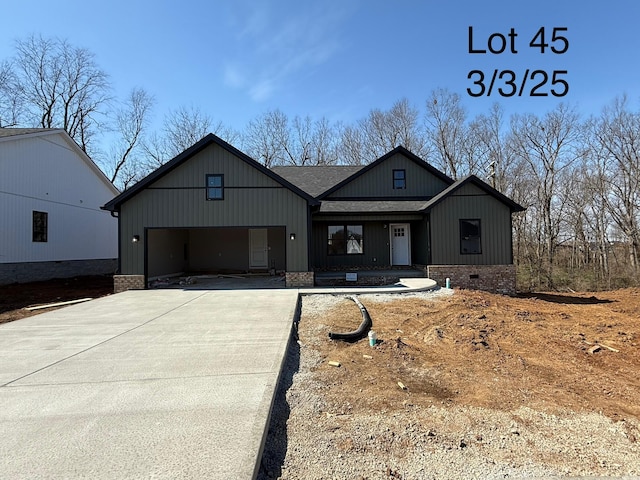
235,59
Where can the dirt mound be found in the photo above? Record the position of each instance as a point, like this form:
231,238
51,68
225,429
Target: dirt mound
545,351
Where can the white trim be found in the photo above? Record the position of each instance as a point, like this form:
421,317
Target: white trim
408,236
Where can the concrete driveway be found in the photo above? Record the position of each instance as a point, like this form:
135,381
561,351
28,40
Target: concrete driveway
162,384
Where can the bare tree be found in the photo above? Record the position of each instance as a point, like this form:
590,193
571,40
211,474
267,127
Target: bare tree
473,153
589,196
616,136
61,86
446,120
299,149
182,128
403,120
527,229
267,139
10,104
352,146
157,151
385,130
546,148
310,143
489,147
380,132
324,143
274,140
124,164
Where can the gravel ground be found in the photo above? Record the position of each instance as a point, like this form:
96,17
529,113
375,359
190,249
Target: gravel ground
307,440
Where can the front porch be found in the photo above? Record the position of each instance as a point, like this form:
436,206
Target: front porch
366,276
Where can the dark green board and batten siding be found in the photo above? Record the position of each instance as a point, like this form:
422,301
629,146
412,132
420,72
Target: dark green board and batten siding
378,182
375,243
471,202
178,200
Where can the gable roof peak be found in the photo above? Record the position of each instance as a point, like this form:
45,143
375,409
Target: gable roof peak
200,145
397,150
471,178
10,134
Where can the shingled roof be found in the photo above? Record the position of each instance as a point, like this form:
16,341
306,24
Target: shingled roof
372,206
316,179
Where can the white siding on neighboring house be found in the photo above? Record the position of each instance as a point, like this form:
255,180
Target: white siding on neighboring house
47,172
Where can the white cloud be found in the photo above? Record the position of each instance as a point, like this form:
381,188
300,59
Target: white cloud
257,21
273,47
262,90
233,77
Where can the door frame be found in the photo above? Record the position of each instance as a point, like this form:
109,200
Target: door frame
266,249
407,227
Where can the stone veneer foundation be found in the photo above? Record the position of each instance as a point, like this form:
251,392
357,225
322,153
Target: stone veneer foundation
299,279
122,283
491,278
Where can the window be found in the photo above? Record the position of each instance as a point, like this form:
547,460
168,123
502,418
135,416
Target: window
40,227
345,240
336,240
470,237
399,179
215,187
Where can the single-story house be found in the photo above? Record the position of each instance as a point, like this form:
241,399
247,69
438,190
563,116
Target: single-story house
51,223
215,209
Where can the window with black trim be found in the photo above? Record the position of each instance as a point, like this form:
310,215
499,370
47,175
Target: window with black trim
215,187
345,240
399,179
40,226
470,237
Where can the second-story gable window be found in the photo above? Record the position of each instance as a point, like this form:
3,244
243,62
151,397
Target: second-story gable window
215,187
399,179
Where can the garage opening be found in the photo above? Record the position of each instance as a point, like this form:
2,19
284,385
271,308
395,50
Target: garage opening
218,250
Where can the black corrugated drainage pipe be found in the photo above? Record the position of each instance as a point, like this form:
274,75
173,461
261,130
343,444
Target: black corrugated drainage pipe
362,330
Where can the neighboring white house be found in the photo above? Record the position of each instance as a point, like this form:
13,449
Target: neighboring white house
51,224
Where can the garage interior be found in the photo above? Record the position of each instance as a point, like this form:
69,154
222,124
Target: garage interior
215,250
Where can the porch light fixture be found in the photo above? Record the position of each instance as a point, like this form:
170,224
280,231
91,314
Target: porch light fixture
292,236
135,239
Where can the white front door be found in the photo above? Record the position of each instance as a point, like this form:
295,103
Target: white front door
400,245
258,248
